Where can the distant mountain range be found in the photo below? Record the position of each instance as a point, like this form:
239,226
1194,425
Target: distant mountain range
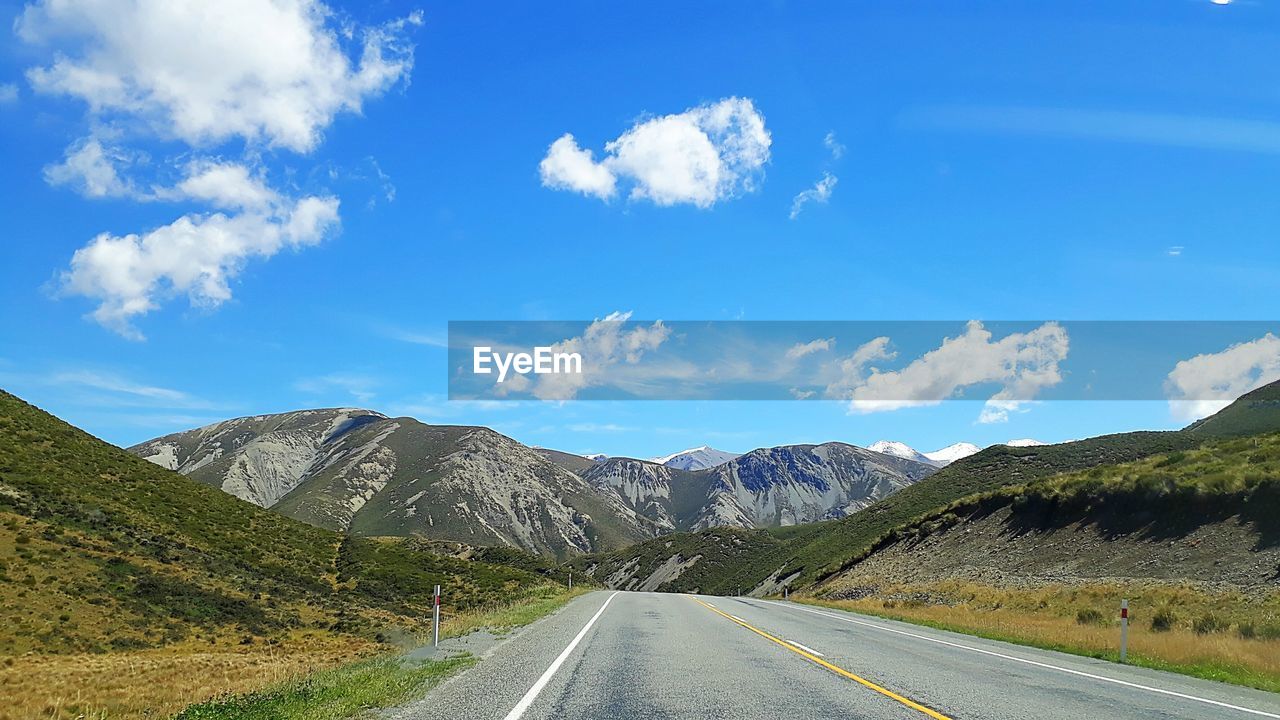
361,472
699,458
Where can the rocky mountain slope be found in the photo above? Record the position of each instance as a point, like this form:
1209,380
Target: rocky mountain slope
360,472
768,487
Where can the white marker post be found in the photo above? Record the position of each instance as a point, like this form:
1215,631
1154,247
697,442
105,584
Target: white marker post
570,578
435,620
1124,630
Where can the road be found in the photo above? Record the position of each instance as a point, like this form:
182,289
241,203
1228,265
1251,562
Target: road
654,656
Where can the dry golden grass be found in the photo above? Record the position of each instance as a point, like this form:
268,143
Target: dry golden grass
1049,617
158,683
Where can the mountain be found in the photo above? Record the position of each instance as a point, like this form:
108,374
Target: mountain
576,464
721,560
796,484
127,555
937,458
1167,520
699,458
767,487
361,472
1025,442
952,453
260,458
901,450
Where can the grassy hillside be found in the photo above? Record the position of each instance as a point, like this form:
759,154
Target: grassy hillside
1254,413
107,554
1165,496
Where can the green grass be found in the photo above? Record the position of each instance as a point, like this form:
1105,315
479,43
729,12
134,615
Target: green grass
343,692
103,551
350,690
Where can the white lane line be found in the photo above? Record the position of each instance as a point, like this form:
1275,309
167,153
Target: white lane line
529,697
807,649
735,617
1025,661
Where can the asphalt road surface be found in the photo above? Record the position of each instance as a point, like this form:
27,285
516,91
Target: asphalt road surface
651,656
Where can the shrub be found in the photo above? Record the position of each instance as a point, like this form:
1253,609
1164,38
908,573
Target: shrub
1163,620
1209,623
1089,616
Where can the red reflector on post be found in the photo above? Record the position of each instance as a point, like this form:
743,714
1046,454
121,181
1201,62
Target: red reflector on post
1124,613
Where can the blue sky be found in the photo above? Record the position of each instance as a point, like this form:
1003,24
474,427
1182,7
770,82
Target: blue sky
1000,161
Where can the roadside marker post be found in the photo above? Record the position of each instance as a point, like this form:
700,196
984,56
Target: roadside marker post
435,619
1124,630
570,578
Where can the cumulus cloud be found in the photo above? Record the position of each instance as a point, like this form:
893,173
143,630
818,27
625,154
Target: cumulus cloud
799,350
1202,385
819,193
274,71
196,256
701,156
272,74
90,168
8,93
605,344
1021,363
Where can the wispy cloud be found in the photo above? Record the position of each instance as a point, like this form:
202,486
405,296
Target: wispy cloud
799,350
819,193
360,387
415,337
1145,128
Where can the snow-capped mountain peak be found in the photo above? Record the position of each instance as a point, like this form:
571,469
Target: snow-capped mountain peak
1025,442
952,453
698,458
897,449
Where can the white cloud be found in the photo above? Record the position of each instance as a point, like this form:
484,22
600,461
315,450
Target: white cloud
1021,363
1175,250
360,387
89,168
8,93
273,71
230,186
800,350
569,167
819,193
196,255
604,344
1202,385
830,143
701,156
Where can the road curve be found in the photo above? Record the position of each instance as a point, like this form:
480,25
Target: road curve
652,655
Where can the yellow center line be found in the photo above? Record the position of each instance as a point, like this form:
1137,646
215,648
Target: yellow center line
833,668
